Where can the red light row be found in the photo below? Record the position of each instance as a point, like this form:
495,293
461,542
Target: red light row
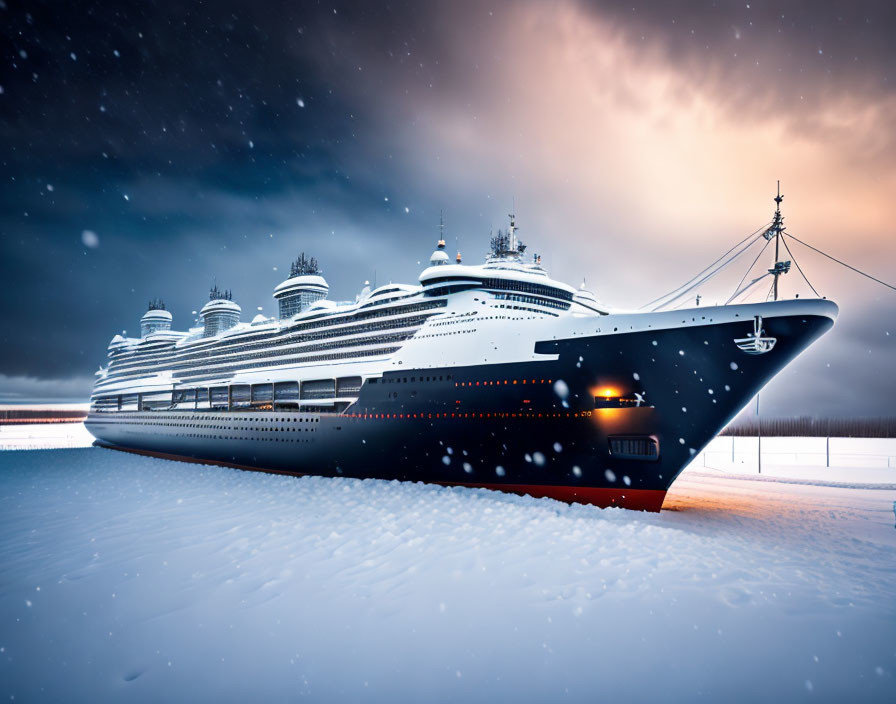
425,416
504,382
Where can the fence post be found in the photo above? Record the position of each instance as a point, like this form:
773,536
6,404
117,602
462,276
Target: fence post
827,451
759,427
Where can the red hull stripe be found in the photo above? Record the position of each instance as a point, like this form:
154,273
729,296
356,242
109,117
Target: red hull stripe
635,499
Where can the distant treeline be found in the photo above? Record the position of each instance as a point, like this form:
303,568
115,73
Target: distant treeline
41,415
815,427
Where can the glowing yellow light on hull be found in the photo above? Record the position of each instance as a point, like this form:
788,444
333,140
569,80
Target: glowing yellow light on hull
605,392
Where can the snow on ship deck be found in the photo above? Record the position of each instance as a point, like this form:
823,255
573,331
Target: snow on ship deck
127,577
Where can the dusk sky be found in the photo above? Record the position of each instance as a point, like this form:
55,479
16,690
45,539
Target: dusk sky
150,149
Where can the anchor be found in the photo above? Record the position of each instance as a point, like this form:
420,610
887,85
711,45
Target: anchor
756,343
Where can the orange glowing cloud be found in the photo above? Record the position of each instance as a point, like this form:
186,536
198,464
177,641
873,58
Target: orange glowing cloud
617,154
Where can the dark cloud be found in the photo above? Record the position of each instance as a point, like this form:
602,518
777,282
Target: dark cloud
800,60
802,47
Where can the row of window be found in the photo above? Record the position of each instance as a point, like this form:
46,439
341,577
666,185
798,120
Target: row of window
142,347
219,321
262,428
211,436
443,416
455,319
160,419
445,334
522,298
448,289
413,379
207,375
286,343
278,354
293,303
395,416
379,301
315,322
497,285
235,395
528,310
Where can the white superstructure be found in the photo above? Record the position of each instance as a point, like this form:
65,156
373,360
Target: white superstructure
318,352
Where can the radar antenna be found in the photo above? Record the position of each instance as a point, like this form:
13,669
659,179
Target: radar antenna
776,230
511,232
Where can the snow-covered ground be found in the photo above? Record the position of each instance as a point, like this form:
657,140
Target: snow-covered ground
43,436
131,578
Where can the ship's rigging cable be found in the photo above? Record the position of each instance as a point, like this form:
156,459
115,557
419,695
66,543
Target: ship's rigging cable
745,244
738,290
799,268
858,271
747,287
712,273
686,283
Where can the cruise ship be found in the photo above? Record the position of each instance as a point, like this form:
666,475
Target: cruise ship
486,375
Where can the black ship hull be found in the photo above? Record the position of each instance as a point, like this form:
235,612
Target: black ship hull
606,419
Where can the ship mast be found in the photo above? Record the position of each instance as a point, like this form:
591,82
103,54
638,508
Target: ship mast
775,230
512,232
